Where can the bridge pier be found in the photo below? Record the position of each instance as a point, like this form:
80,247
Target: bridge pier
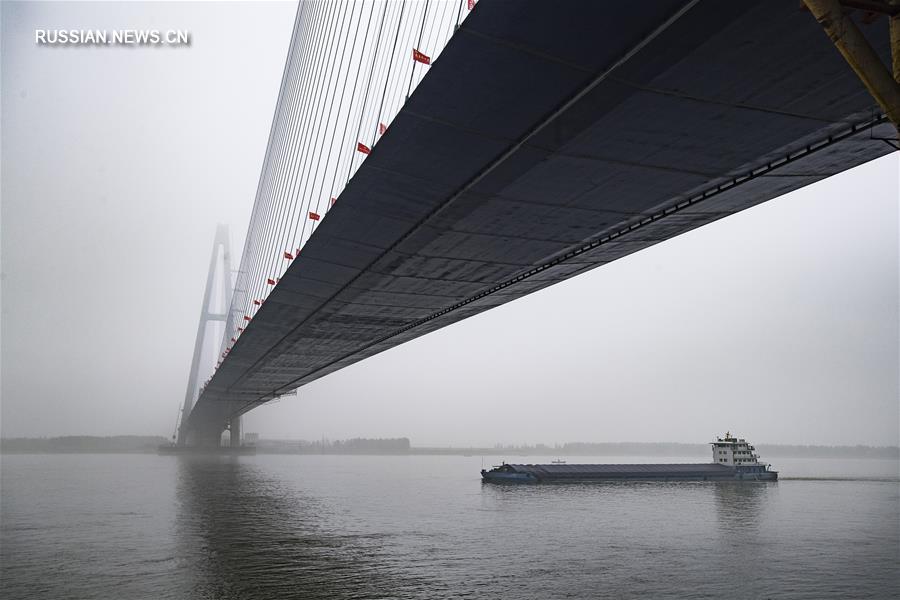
206,434
209,434
234,428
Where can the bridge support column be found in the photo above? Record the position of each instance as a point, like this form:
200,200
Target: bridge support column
208,435
234,428
207,314
882,84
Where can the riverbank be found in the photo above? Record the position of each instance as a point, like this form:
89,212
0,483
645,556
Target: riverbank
133,444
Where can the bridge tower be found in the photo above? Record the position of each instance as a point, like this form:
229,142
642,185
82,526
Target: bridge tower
221,257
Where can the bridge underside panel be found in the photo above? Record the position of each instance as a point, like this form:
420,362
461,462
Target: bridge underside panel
544,143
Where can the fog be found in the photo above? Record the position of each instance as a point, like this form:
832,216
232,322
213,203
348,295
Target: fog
779,323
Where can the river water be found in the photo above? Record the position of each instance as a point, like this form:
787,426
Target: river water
268,526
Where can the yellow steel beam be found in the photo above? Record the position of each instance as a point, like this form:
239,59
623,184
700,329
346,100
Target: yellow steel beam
895,42
852,44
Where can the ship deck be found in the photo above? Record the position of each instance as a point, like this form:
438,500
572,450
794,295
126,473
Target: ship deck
621,471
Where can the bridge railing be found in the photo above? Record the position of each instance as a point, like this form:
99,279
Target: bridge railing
350,68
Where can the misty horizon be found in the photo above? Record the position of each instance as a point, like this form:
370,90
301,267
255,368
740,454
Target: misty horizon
780,322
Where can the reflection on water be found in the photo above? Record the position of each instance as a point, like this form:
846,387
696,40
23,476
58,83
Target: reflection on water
740,510
242,535
740,505
644,535
106,526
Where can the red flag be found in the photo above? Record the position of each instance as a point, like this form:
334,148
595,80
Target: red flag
233,340
240,328
360,147
382,128
419,57
288,255
270,281
314,216
331,202
257,302
246,318
471,4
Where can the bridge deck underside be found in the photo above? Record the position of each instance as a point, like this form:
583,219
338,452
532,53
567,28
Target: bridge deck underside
489,186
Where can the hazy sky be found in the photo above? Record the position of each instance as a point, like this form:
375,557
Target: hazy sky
780,323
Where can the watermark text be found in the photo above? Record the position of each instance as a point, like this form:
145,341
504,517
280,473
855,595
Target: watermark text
116,37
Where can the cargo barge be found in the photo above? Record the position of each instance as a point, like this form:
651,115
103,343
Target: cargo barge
733,459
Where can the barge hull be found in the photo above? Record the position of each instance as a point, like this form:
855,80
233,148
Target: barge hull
649,472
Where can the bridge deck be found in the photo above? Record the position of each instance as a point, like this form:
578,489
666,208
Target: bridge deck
546,142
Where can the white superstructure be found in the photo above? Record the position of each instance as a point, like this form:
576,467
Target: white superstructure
734,452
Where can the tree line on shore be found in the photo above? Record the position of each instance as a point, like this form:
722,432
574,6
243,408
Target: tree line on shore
402,445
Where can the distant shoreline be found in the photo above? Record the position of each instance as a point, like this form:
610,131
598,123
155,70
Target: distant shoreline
148,444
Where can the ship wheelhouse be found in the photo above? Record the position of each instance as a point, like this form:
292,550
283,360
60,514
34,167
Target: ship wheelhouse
737,452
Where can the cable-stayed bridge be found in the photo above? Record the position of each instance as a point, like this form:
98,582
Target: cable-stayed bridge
427,162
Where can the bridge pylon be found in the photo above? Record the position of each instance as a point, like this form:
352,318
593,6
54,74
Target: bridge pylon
208,434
